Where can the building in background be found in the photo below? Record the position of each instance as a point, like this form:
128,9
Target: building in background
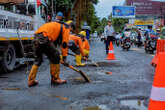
148,12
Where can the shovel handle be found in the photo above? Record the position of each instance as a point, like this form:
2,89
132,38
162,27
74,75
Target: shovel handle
79,71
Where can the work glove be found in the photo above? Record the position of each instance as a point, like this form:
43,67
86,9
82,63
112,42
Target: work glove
85,58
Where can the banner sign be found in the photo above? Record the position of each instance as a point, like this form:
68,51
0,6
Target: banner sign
144,22
123,12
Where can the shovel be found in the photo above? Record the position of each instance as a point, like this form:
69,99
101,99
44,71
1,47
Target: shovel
79,71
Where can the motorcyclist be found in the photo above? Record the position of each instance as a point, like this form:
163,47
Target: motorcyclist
125,35
139,37
118,37
149,33
158,32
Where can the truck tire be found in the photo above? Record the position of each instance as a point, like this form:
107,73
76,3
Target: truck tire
9,59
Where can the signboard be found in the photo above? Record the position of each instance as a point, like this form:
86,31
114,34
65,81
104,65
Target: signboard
123,12
147,7
11,1
144,22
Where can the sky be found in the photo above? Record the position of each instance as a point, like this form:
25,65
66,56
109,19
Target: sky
104,7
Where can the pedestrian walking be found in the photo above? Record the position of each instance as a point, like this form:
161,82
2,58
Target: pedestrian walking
45,39
109,35
139,43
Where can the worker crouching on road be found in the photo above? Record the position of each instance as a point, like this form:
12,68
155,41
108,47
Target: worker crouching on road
75,44
85,43
46,38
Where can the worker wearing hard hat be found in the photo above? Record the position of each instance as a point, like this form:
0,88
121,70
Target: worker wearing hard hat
58,17
75,44
46,37
86,46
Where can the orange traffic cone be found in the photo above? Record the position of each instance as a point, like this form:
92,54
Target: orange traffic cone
111,55
154,60
157,98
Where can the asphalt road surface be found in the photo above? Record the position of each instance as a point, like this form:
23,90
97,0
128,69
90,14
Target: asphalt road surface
126,87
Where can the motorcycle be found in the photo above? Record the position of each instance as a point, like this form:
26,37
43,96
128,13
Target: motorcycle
150,46
117,42
126,44
138,43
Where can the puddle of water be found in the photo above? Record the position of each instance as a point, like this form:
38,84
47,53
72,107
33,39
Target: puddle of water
138,104
99,81
103,107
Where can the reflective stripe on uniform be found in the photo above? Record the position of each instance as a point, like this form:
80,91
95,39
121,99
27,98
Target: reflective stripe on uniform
111,51
158,94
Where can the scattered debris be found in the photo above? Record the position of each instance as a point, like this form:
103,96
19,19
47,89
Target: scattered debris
108,73
60,97
78,79
11,89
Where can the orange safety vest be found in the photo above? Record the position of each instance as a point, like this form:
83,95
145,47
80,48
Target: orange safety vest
52,31
86,45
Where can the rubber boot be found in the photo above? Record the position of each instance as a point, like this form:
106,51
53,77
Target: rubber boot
61,58
55,74
32,76
78,61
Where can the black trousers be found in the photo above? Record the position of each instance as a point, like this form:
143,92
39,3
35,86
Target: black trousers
107,42
72,46
42,45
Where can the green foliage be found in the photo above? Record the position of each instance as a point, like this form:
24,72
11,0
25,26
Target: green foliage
91,18
89,14
100,28
60,5
119,23
63,5
94,1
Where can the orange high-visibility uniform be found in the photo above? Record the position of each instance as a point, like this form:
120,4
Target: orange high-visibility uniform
52,31
78,42
86,45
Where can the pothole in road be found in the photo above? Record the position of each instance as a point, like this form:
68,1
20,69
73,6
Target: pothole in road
104,64
98,81
137,104
134,102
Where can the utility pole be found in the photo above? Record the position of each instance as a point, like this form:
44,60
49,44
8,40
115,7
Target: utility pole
52,8
55,7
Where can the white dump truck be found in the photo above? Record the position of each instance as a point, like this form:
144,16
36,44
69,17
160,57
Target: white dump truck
16,36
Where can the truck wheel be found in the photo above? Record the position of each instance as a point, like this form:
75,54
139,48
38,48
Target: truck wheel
9,59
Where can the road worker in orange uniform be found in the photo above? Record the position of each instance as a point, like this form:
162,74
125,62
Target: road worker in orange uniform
75,44
85,43
47,37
